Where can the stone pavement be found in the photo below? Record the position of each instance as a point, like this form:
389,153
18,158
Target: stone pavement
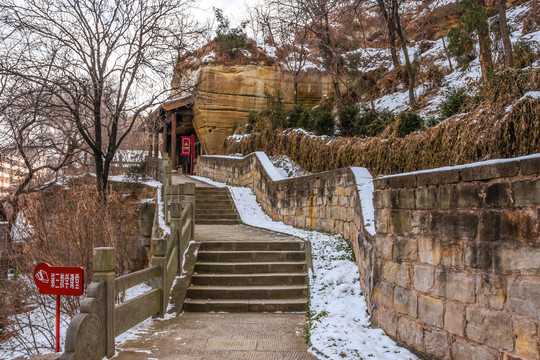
213,336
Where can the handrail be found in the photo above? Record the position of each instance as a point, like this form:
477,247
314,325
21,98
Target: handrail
135,278
100,320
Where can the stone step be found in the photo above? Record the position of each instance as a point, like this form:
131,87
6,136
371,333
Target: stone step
206,190
209,194
217,222
244,256
252,245
215,216
213,211
247,292
223,196
203,201
250,267
273,305
250,279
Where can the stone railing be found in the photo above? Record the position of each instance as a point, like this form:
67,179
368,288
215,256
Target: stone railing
91,333
453,270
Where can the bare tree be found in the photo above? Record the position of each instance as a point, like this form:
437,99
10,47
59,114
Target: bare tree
108,61
393,18
324,17
482,27
34,135
445,48
286,27
391,30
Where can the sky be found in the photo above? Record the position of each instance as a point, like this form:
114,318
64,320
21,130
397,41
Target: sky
233,9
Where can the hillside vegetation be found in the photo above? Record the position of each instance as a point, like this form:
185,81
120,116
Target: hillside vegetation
470,98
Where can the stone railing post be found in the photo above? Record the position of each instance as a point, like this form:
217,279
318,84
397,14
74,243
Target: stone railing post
167,203
167,173
189,197
159,258
104,263
177,225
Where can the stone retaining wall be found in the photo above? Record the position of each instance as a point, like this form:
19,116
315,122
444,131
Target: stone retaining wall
457,260
453,270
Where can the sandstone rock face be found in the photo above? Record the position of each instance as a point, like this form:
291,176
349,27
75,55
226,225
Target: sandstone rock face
225,95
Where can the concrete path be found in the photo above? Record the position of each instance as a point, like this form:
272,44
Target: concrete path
204,336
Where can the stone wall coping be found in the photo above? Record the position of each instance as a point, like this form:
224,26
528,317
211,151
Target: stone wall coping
322,174
478,171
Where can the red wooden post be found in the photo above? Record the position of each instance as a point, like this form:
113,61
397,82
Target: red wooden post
192,153
57,323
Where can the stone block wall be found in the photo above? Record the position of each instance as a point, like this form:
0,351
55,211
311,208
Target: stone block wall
457,260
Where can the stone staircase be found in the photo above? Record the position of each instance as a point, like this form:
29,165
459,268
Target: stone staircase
214,206
249,276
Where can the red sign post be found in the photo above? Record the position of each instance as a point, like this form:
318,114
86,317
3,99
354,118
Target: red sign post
59,280
188,148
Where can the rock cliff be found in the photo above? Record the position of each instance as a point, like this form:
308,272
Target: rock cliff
225,94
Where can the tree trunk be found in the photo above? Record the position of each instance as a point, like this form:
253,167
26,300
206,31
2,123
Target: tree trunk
410,70
442,38
295,89
100,185
505,35
486,62
392,40
391,28
448,57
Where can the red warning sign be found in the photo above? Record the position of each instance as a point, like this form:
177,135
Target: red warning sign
186,145
59,280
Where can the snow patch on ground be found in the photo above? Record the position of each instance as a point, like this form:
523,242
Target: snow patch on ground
208,181
21,229
237,137
288,167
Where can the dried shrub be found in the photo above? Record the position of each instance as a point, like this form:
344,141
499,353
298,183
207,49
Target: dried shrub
531,23
433,77
64,226
504,87
479,135
391,80
524,54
